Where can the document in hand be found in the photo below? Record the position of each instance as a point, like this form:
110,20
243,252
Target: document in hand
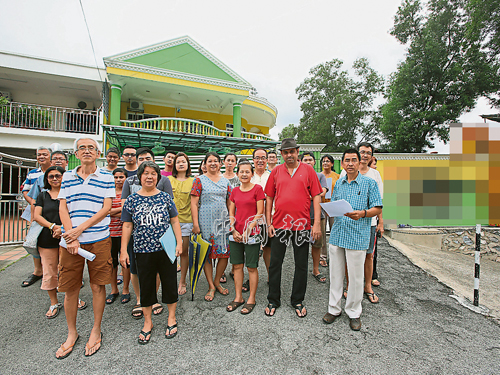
169,243
337,208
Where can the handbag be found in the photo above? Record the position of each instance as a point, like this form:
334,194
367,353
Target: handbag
32,238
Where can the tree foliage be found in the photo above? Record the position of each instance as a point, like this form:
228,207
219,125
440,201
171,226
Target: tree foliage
289,131
337,108
445,71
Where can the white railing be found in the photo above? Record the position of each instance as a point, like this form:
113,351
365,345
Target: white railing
183,125
43,117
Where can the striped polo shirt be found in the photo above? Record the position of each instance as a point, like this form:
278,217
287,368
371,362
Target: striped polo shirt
85,198
31,178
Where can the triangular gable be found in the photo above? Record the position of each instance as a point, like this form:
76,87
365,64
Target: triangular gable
182,55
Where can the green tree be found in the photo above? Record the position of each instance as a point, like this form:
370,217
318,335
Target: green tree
443,75
289,131
337,108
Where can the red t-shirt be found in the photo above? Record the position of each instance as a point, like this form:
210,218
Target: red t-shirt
292,196
246,206
115,225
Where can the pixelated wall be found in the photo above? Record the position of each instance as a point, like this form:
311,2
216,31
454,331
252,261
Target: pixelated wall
461,190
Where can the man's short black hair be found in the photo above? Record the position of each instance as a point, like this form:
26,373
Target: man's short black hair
142,151
170,152
272,152
58,153
258,149
351,151
366,144
120,170
129,146
113,150
307,153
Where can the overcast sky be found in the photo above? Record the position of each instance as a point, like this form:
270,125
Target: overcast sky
272,44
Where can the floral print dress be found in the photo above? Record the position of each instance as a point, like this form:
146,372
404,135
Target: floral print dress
213,216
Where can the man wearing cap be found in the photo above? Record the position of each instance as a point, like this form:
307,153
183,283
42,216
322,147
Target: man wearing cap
290,187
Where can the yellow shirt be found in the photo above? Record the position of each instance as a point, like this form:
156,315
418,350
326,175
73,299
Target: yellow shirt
334,176
182,198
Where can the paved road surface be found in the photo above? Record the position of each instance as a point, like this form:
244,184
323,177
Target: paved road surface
416,329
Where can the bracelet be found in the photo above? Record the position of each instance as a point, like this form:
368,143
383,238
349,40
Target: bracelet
52,226
365,213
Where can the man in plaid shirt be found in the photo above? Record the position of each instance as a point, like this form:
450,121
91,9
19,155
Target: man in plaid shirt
350,237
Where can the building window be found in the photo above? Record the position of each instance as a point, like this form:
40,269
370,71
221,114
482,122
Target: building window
208,122
229,127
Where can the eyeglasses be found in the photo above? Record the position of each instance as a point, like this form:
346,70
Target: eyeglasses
129,155
54,177
260,158
365,152
58,159
86,148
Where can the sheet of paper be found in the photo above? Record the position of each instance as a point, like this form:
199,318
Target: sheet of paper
328,194
169,243
336,208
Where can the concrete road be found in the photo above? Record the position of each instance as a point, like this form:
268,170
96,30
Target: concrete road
415,329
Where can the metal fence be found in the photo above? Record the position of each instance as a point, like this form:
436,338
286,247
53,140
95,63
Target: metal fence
42,117
13,171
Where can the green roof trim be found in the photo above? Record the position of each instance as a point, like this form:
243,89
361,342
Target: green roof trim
182,58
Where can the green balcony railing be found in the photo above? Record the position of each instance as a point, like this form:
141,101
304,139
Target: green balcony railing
182,125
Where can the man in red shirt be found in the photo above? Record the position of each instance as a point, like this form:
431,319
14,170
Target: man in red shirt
290,187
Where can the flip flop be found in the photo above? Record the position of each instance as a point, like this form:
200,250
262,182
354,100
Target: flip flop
372,297
210,294
30,280
137,312
300,307
323,263
320,278
234,305
145,334
375,282
249,307
88,347
169,329
125,298
119,280
111,298
220,289
182,290
69,347
223,278
246,286
56,307
156,308
271,307
82,305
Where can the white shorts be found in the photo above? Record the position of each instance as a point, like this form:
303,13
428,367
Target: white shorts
186,229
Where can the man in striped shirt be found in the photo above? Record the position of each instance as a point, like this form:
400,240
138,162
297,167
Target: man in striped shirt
85,201
43,159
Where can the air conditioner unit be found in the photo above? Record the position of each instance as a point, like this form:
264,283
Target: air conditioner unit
136,106
6,95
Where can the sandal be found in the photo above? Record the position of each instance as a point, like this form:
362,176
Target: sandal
137,312
223,278
299,307
320,278
145,335
156,307
68,348
323,263
270,307
82,305
375,282
88,348
246,286
31,280
111,298
119,280
372,297
249,307
125,298
222,290
56,307
234,305
171,335
209,297
182,290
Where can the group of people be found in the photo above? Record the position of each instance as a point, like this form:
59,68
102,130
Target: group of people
255,208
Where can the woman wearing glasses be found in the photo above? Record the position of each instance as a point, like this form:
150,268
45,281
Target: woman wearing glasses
47,215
